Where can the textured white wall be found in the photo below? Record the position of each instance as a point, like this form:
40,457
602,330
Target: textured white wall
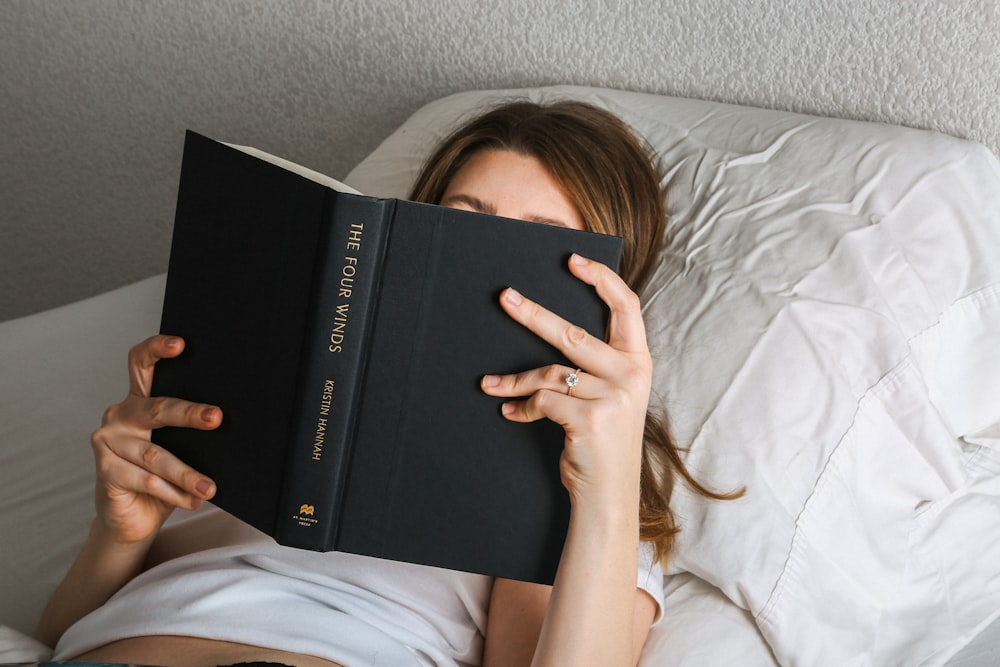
95,95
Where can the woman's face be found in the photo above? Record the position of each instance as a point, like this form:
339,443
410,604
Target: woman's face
511,185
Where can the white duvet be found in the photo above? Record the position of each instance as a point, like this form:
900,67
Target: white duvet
824,323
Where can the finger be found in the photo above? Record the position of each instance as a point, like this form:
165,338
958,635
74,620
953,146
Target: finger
133,479
545,404
150,413
138,465
552,378
143,357
626,329
580,347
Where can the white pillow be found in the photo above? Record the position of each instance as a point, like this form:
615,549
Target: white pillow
824,324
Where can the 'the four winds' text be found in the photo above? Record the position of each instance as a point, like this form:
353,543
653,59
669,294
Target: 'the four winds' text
347,273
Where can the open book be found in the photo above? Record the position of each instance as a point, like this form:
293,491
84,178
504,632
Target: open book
344,338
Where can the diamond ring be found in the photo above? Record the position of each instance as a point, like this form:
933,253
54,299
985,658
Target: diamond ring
572,379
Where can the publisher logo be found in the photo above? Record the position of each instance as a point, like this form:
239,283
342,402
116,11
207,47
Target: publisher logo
305,517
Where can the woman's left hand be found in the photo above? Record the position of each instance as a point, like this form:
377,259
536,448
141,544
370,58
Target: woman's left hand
604,415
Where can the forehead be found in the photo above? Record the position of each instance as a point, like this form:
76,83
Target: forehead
513,185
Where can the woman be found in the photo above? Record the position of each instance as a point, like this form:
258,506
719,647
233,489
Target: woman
566,164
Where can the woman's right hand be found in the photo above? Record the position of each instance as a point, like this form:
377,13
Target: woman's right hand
139,483
138,486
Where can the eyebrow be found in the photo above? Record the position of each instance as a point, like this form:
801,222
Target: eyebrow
474,203
480,206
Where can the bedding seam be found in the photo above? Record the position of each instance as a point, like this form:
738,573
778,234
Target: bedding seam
986,295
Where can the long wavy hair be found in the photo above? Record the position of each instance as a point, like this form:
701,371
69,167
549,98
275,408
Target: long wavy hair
612,178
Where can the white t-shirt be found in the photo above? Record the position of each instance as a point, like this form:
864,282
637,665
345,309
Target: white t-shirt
349,609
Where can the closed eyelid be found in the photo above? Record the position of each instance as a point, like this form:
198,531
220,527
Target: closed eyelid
546,221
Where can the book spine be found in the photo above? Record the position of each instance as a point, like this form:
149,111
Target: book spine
332,370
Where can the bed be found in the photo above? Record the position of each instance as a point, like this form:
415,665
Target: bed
824,323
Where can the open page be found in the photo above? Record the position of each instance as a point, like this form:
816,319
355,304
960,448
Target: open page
322,179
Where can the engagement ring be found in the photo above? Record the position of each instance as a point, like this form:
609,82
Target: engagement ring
572,379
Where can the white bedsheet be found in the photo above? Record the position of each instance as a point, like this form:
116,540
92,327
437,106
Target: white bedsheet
824,323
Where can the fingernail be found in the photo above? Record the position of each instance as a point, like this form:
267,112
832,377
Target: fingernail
203,486
491,380
207,414
579,260
173,341
513,297
508,409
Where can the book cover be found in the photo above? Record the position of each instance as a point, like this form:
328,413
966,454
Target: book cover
344,338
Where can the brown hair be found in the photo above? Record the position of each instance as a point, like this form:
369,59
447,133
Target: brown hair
610,176
604,170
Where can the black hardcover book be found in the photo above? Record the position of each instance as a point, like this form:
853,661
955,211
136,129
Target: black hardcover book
344,338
